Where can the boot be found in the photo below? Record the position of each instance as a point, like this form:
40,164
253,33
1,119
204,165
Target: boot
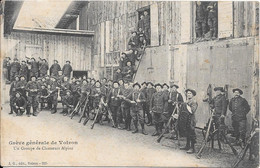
160,126
192,149
11,112
143,130
156,133
28,112
54,109
34,112
41,106
126,124
129,125
187,147
65,112
136,127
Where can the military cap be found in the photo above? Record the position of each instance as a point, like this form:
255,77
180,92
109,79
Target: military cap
239,90
133,32
56,61
98,82
22,76
192,91
33,58
137,84
158,84
23,61
68,91
115,82
8,58
110,80
17,76
150,83
219,88
18,93
141,35
15,59
174,85
45,60
123,53
68,61
33,76
144,83
166,85
43,85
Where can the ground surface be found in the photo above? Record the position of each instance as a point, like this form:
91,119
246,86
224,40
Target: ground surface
102,146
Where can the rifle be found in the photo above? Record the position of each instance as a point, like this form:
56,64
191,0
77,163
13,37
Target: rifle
83,113
101,103
73,113
168,124
254,131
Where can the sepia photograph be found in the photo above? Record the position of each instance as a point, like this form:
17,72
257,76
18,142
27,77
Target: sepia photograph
129,83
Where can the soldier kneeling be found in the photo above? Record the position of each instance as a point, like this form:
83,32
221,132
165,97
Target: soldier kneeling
19,104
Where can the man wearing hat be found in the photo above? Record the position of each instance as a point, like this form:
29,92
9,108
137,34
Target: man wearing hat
144,91
14,69
6,66
158,105
24,70
136,99
239,108
68,103
187,121
34,71
123,60
53,94
19,104
118,75
32,88
64,86
44,67
67,69
21,86
12,91
114,103
43,94
133,42
128,72
149,94
55,68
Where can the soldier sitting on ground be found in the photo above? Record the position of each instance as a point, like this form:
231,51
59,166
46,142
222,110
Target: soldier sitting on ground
19,104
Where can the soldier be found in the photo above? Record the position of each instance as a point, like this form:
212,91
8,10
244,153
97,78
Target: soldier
43,96
53,91
118,75
149,93
34,71
114,103
32,88
212,19
67,69
239,108
12,92
144,91
14,69
19,104
68,103
128,72
125,105
44,67
140,24
147,27
187,121
24,70
132,56
55,68
136,99
6,66
123,60
47,80
65,85
157,108
133,42
21,86
201,17
75,91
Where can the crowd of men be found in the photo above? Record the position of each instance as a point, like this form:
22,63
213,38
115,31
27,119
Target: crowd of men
128,105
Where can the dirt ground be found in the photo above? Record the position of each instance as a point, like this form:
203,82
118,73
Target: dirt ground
102,146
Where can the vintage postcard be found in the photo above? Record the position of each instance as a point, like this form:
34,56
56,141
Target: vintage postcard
129,83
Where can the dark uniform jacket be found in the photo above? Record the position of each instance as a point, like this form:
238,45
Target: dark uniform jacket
140,24
66,70
118,76
201,13
32,88
134,41
175,97
134,97
128,72
65,86
112,98
158,103
21,87
23,70
239,108
20,102
53,89
126,93
44,68
219,104
54,70
146,21
68,100
15,67
34,66
150,92
13,88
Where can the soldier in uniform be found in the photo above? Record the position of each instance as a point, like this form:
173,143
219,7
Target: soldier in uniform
65,85
149,93
133,41
14,69
12,92
118,75
6,66
114,103
187,121
239,108
24,70
144,91
136,99
157,108
55,68
53,94
147,27
140,24
34,68
75,91
67,69
201,16
68,103
19,104
43,94
125,105
32,88
21,86
44,67
128,72
212,19
123,60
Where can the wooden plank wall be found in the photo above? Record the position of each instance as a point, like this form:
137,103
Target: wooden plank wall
61,47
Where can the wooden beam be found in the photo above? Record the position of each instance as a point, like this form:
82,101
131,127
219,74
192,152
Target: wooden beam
56,31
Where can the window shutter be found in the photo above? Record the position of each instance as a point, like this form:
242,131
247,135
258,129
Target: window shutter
225,19
154,25
186,21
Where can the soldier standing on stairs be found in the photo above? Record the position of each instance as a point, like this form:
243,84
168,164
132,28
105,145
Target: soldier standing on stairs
136,99
128,72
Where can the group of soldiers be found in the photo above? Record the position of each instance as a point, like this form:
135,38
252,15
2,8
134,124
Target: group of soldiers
206,20
126,104
30,67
